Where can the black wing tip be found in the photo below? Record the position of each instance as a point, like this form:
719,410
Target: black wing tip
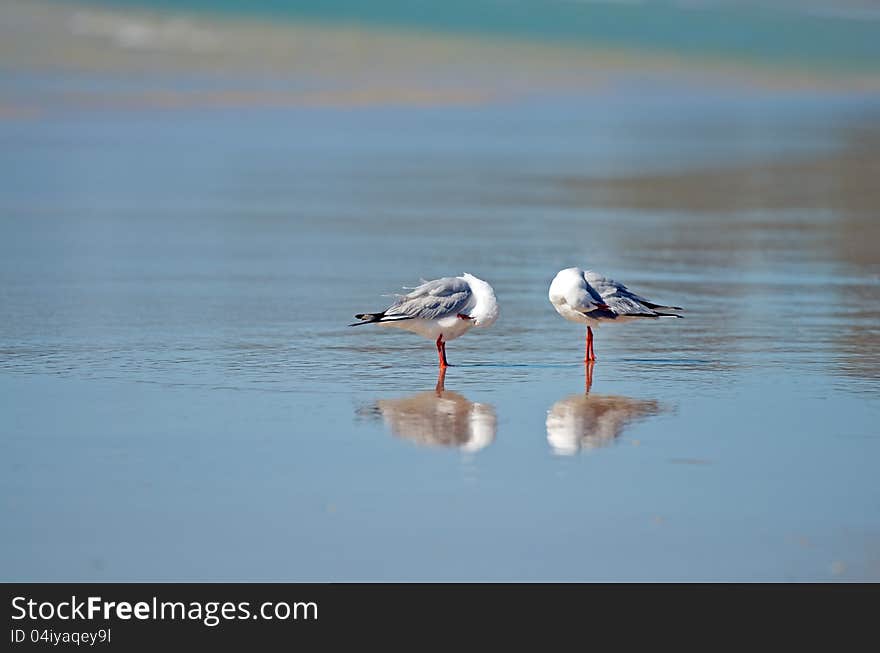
661,307
372,318
367,318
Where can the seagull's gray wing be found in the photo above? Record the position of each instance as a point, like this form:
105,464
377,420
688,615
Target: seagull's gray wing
620,299
435,299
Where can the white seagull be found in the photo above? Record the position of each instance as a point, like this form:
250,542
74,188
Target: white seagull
589,298
441,310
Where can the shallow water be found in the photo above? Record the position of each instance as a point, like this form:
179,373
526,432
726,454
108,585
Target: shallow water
182,400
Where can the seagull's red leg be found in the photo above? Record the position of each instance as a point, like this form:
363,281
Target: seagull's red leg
591,355
441,352
587,347
588,376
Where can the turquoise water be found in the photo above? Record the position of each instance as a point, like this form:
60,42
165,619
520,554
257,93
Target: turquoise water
180,398
818,36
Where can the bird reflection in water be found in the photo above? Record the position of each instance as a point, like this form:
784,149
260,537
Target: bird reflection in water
588,421
439,417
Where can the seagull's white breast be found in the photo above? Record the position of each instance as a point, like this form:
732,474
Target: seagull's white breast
450,328
569,296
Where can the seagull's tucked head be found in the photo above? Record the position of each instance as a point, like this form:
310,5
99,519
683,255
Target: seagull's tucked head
485,311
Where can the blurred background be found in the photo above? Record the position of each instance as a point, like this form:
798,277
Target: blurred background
196,196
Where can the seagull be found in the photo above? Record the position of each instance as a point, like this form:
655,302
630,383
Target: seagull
441,310
589,298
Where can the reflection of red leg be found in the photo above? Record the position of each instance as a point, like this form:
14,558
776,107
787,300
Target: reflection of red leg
588,376
441,377
589,355
441,352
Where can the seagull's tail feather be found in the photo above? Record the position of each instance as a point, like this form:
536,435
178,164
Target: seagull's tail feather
659,314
